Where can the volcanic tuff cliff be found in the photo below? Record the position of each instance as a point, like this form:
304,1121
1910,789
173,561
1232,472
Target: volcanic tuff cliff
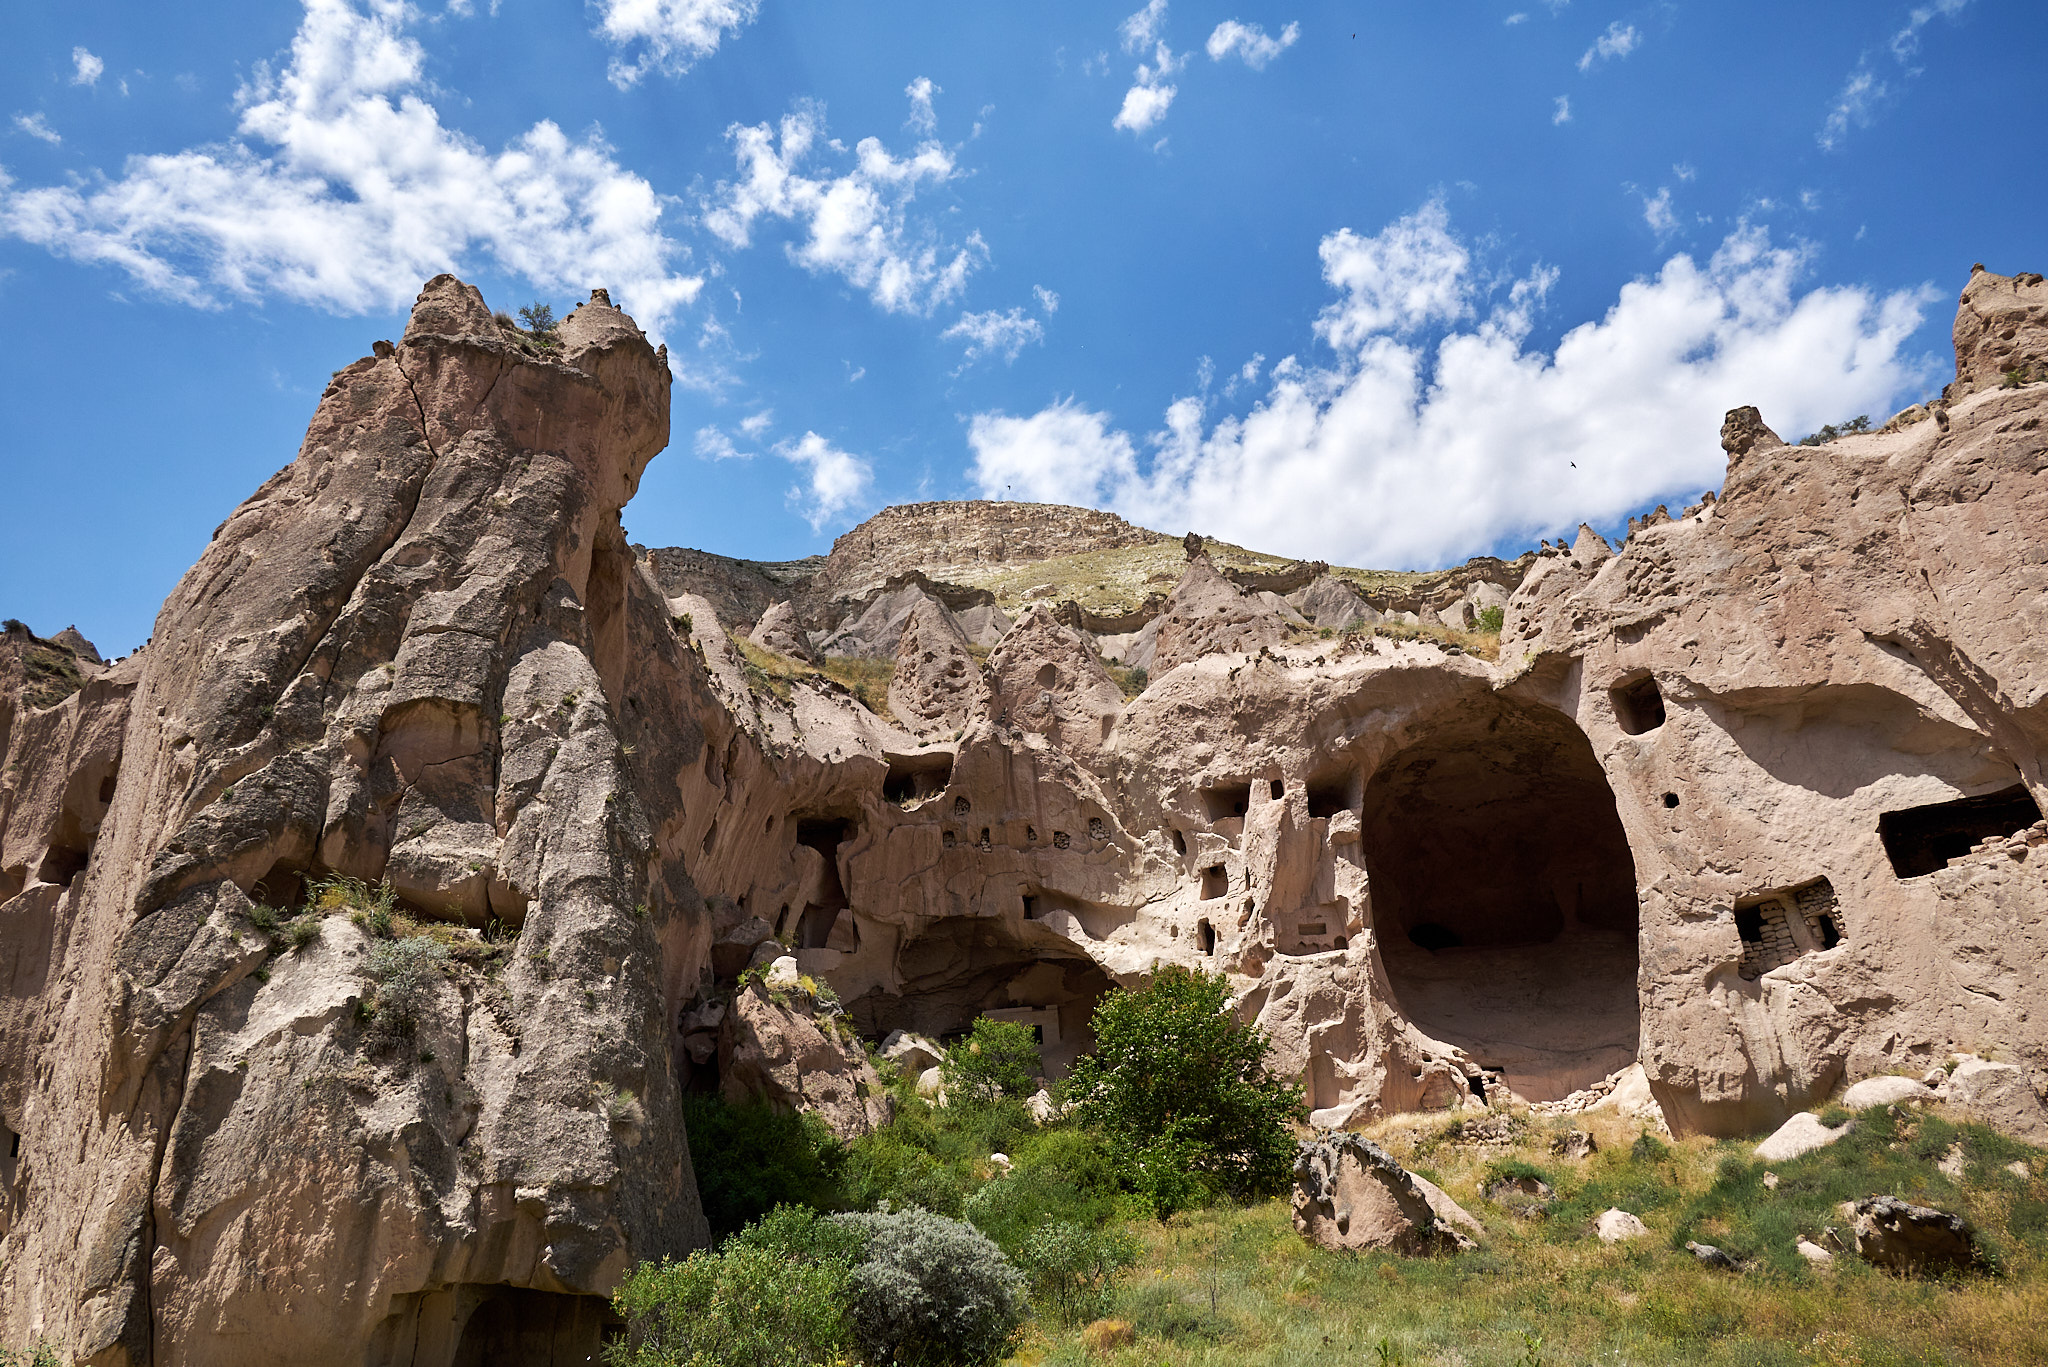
1751,800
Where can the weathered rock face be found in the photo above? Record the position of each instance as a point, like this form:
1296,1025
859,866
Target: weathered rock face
1902,1237
1747,810
2001,330
1350,1194
420,652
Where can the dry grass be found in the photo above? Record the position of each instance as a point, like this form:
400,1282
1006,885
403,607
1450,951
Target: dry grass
1228,1287
866,679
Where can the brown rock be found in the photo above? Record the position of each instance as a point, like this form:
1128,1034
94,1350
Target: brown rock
795,1060
1207,614
779,631
938,684
1917,1240
2001,329
1047,680
1351,1194
1744,431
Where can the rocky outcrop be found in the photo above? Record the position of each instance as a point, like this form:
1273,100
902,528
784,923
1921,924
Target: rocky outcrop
1747,811
938,684
779,631
1350,1194
416,654
2001,332
1207,614
781,1048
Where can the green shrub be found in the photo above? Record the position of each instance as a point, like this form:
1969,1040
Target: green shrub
930,1291
1066,1175
1492,619
1180,1091
1161,1310
301,932
889,1167
1072,1268
997,1059
751,1158
769,1297
405,972
42,1355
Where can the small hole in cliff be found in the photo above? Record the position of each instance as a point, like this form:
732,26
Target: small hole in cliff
1671,800
1920,840
1332,793
1180,842
1638,705
1215,882
1276,790
1226,801
107,785
1047,676
949,839
1030,907
1205,935
711,835
64,862
961,806
1061,840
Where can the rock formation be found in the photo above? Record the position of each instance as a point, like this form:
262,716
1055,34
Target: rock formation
1747,810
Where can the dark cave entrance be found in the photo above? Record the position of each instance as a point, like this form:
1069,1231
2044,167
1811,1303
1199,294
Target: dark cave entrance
1504,895
964,967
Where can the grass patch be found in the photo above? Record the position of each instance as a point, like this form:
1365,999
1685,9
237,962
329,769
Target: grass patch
866,679
1238,1288
50,675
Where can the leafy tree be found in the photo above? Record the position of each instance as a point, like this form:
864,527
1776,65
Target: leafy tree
751,1158
1493,619
539,319
997,1059
1181,1092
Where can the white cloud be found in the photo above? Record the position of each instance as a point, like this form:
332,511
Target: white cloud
1059,454
1860,95
1250,42
923,118
1401,451
1866,89
345,191
834,480
1143,28
1619,41
1683,170
856,224
36,126
1146,102
1410,275
754,424
993,333
1048,302
668,36
1905,44
85,67
1658,214
1518,17
1564,110
712,444
1144,105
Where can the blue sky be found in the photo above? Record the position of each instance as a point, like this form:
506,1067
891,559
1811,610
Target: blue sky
1389,284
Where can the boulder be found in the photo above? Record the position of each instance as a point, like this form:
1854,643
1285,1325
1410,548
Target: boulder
1902,1237
911,1052
1332,604
1574,1144
732,949
1615,1226
1814,1253
1743,431
1803,1133
1709,1256
1527,1197
1999,1095
1351,1194
780,1053
1885,1091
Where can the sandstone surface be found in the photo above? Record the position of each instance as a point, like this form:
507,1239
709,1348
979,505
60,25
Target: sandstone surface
1747,810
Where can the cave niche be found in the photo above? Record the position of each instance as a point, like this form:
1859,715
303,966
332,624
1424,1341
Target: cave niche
1504,894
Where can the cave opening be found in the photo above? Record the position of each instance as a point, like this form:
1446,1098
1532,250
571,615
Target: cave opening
1504,895
827,922
1921,840
962,968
